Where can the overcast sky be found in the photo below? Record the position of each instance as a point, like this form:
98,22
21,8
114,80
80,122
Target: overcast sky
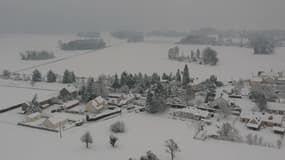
143,15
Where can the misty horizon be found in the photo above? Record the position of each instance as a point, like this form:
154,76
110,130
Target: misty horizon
56,16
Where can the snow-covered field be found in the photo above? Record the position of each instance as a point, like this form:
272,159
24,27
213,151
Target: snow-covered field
144,132
11,96
147,57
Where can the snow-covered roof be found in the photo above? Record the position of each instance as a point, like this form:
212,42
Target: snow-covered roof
194,111
115,95
254,123
275,106
256,79
57,119
34,115
100,100
221,101
265,117
70,103
278,129
70,88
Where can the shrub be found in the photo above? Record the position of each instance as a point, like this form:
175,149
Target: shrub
118,127
112,140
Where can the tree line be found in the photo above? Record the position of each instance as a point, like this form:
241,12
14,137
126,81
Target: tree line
36,55
209,56
83,44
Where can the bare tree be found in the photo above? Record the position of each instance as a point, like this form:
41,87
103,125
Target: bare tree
86,138
171,148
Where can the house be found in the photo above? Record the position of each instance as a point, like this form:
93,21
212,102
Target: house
55,122
120,99
70,104
254,123
257,119
33,117
220,102
191,113
68,92
276,108
96,105
278,130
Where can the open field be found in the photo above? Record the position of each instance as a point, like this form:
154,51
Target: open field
147,57
144,132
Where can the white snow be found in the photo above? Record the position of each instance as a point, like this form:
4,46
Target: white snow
146,57
144,132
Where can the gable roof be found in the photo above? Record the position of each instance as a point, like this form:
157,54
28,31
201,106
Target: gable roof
70,88
34,115
57,119
100,100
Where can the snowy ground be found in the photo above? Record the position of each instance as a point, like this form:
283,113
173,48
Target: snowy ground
10,96
150,56
144,132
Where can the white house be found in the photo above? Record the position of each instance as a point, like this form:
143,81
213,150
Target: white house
257,119
55,122
33,117
96,105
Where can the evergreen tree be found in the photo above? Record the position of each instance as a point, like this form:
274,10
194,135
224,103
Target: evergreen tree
51,76
68,77
156,99
37,76
178,76
190,95
100,87
83,93
90,89
124,78
73,77
185,76
210,56
164,76
192,54
198,53
116,83
155,78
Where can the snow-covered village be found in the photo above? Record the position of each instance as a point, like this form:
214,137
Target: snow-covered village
133,91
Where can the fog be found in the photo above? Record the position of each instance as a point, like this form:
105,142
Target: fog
143,15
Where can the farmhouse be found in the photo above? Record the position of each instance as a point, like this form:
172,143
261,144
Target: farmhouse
255,120
96,105
276,108
120,99
55,122
68,92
